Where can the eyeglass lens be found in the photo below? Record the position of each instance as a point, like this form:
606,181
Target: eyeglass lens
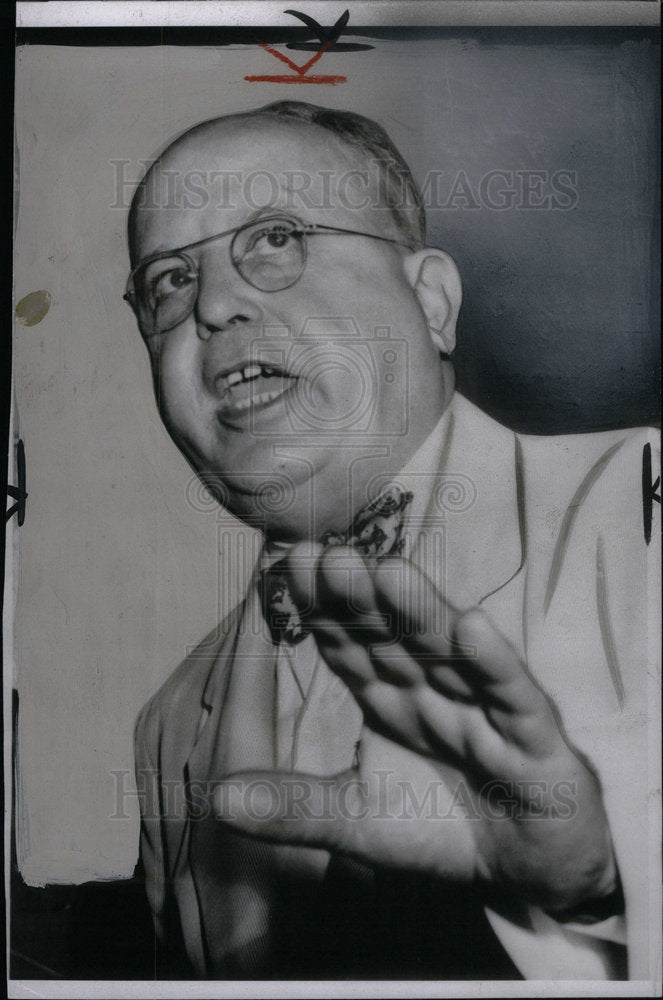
269,255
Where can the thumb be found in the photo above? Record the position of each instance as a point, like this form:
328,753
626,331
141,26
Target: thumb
293,808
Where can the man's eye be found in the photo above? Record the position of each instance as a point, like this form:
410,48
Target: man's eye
266,240
277,238
173,281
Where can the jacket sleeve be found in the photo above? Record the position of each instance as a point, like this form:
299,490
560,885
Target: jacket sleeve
593,623
627,601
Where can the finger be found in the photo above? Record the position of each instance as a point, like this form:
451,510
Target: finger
347,585
392,662
487,732
300,565
420,719
464,654
420,618
345,588
458,734
293,808
466,733
424,624
345,618
495,661
355,624
352,624
518,708
333,584
395,665
344,653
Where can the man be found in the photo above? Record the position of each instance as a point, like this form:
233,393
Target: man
435,689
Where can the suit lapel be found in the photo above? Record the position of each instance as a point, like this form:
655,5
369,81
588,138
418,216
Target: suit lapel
205,669
469,537
234,876
238,698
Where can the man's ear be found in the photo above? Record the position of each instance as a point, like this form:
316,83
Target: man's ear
436,284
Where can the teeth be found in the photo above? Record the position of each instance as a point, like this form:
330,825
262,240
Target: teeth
225,384
264,397
246,375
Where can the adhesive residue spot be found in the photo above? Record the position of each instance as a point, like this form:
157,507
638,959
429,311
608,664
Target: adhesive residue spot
33,307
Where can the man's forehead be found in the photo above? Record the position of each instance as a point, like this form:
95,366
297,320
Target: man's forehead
221,174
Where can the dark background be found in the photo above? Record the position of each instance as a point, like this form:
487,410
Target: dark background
558,331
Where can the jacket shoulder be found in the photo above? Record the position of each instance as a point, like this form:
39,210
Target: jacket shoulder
612,447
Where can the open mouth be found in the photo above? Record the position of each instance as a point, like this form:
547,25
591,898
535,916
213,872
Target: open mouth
249,386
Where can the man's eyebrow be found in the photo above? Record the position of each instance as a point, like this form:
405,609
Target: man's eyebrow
265,212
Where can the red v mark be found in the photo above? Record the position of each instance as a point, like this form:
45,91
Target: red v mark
301,74
300,70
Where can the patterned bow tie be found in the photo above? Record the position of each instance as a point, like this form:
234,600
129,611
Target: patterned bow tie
376,532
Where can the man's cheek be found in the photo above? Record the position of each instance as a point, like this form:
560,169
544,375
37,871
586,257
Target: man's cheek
178,394
175,367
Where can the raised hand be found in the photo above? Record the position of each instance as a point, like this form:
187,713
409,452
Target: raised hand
464,771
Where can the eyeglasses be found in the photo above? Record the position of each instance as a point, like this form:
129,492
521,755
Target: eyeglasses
269,254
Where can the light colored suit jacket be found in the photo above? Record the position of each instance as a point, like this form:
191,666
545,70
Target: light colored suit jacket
552,544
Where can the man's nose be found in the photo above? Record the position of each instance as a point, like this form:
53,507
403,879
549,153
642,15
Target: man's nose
224,300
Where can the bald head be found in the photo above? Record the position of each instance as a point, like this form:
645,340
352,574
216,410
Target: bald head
335,161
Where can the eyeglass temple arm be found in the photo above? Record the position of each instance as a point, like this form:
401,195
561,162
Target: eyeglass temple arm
315,229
